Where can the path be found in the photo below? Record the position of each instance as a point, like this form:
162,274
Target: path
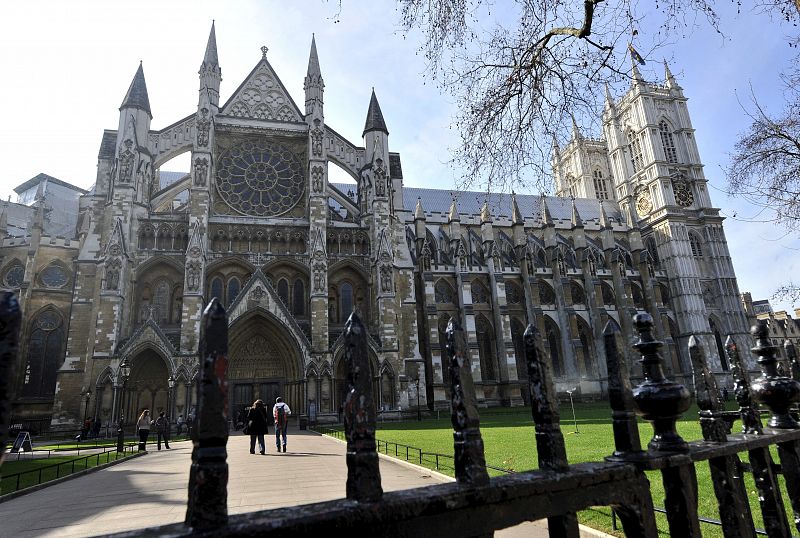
151,490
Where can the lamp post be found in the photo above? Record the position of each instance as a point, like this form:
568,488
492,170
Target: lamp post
124,372
88,398
419,412
171,385
574,418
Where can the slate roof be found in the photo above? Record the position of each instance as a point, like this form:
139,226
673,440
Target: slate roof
38,178
107,145
375,120
137,93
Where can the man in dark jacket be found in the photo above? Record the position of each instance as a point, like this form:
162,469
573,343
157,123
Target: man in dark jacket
162,430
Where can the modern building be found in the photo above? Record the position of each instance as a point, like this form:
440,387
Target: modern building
257,223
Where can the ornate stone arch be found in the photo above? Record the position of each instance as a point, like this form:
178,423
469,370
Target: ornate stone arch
44,343
154,261
552,341
13,273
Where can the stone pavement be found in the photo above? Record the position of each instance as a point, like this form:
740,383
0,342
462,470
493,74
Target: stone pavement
152,490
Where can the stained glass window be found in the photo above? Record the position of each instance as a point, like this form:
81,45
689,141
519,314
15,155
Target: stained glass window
346,298
45,353
233,289
444,292
668,142
260,178
216,288
54,276
161,302
13,277
299,298
283,291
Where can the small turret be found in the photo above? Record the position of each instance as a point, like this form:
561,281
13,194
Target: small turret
609,103
137,97
375,121
576,133
546,219
454,222
452,215
577,222
579,237
210,72
556,147
135,106
549,226
486,214
636,76
669,79
606,229
313,84
517,223
419,221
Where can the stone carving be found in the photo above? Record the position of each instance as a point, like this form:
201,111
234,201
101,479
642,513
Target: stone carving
320,276
257,294
193,270
386,279
380,178
126,159
316,140
113,268
200,170
317,173
203,127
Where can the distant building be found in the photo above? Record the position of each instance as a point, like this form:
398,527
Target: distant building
123,272
782,328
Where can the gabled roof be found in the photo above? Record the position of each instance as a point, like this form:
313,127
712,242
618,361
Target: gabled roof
375,120
38,178
263,96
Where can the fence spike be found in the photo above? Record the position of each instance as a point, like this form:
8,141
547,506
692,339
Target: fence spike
658,399
627,444
208,477
550,448
469,459
707,395
777,392
10,317
363,475
751,421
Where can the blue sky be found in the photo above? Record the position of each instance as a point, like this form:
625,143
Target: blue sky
67,66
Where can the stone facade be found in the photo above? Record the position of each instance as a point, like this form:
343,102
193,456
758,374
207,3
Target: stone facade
257,223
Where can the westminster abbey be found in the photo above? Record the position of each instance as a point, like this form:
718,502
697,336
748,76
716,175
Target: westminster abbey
120,274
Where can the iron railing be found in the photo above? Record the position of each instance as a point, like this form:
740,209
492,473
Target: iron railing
477,505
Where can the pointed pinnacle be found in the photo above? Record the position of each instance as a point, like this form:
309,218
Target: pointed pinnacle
137,93
576,133
419,213
604,222
577,222
210,58
375,120
486,215
453,215
516,214
635,74
313,59
609,99
545,212
669,79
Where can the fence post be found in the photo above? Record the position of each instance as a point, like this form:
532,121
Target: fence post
208,476
363,474
9,334
662,402
734,509
468,456
751,421
776,391
551,452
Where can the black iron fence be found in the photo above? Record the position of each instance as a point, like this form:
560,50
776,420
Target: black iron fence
476,505
10,483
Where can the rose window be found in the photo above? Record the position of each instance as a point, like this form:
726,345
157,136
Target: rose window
260,178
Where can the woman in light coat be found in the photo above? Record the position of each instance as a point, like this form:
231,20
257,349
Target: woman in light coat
143,427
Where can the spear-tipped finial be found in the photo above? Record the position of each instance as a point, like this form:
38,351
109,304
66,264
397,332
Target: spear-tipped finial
486,215
264,50
452,215
516,214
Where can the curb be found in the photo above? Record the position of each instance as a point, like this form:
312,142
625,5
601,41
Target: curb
584,530
37,487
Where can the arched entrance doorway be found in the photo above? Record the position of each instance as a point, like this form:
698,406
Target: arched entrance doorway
147,387
340,385
264,362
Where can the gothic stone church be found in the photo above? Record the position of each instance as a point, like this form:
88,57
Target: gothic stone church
123,271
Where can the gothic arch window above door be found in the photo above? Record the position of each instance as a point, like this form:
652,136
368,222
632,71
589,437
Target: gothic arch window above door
298,298
234,286
45,352
283,291
216,289
345,301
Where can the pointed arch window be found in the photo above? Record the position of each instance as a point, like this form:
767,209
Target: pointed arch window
444,292
696,245
299,298
283,291
479,293
600,186
637,159
345,301
234,286
161,302
45,352
14,275
216,288
485,336
668,142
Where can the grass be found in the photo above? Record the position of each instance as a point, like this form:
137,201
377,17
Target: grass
50,468
94,443
508,436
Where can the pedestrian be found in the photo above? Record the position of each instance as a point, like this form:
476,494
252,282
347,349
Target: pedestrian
280,412
256,425
179,424
162,430
143,427
96,428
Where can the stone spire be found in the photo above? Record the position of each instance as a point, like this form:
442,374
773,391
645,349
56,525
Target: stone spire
669,79
547,220
556,147
313,84
137,93
452,215
577,222
609,104
210,73
516,214
576,133
486,215
419,221
375,120
604,220
419,213
635,74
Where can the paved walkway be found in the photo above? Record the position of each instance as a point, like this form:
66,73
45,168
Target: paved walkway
152,490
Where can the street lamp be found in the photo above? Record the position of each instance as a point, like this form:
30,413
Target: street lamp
88,396
124,372
419,412
171,385
571,403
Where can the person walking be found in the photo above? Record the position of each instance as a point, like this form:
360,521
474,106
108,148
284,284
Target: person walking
162,430
281,412
143,427
256,425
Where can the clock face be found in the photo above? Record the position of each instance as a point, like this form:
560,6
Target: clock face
683,193
643,204
53,277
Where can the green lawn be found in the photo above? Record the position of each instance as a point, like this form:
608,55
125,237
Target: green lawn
51,468
508,436
97,443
